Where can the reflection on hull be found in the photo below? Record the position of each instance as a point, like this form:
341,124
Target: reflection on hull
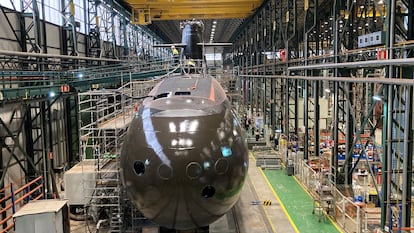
184,160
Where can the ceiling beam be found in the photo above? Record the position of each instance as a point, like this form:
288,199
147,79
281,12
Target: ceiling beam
190,2
189,9
155,17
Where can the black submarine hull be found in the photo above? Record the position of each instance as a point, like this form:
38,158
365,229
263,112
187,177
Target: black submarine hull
184,160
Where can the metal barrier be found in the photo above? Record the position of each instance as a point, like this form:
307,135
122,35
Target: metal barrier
28,83
351,216
347,213
13,200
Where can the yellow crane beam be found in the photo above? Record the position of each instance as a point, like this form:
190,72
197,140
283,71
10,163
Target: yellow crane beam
144,11
190,2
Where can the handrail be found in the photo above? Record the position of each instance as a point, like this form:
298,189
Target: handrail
21,198
28,184
25,84
13,204
7,228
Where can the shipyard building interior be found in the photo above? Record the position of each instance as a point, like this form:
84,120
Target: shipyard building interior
321,95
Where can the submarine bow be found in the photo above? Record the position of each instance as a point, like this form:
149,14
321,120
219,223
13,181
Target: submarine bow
184,160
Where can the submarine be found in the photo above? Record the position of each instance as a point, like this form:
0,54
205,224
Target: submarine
184,159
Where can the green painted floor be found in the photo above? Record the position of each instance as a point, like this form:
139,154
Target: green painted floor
298,203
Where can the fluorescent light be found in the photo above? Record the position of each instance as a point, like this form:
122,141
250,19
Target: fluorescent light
377,97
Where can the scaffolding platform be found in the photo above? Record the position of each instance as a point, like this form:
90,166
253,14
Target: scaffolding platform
120,121
268,162
104,118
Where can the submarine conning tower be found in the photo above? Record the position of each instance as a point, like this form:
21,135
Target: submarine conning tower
191,36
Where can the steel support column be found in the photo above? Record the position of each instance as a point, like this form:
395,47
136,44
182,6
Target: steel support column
93,38
27,35
316,128
108,27
124,38
2,172
69,38
349,129
29,8
311,17
398,158
72,133
337,7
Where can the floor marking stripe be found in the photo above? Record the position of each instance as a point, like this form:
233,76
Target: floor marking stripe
329,217
280,202
265,212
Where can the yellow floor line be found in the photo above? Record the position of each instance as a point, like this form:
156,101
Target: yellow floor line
267,216
280,202
278,199
283,207
329,217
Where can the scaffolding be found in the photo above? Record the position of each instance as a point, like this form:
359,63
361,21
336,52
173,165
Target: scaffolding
104,117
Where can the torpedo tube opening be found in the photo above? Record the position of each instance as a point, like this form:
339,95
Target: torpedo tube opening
139,168
208,191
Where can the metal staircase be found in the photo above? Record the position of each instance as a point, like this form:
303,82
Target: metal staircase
279,103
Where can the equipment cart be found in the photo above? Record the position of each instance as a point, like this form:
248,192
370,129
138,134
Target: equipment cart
323,202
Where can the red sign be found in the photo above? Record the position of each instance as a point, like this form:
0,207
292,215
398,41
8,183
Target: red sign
382,54
282,55
65,88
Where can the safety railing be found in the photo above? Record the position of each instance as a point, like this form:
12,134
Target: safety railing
350,215
28,84
361,55
15,196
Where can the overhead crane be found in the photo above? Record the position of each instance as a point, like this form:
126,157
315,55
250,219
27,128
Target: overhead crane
145,11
